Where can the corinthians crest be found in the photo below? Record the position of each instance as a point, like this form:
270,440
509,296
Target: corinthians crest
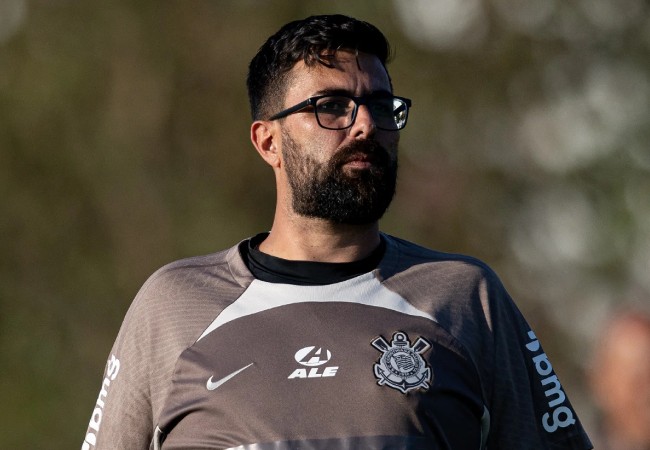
401,365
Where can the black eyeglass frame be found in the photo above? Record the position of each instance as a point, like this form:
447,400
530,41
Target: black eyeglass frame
358,101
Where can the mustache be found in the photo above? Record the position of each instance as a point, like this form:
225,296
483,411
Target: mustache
367,149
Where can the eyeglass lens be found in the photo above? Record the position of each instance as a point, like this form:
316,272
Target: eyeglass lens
337,112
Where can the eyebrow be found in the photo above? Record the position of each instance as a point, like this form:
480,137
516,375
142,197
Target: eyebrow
346,93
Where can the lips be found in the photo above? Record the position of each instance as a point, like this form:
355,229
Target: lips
362,154
361,159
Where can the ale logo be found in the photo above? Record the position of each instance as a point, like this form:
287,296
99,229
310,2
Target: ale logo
313,357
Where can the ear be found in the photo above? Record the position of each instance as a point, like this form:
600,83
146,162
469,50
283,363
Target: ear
263,137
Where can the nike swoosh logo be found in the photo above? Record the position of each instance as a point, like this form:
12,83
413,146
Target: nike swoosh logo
212,385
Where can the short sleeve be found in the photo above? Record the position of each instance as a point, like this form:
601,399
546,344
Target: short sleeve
122,416
529,408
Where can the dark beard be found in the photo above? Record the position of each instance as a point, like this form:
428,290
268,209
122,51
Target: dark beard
326,191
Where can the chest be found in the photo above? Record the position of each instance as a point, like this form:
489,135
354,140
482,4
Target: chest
314,371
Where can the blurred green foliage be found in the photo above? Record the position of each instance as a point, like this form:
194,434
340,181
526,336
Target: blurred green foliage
124,145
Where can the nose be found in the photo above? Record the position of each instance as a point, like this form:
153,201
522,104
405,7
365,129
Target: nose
364,124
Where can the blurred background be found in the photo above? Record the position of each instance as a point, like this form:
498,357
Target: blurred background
124,145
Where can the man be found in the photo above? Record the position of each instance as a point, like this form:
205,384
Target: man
620,379
326,333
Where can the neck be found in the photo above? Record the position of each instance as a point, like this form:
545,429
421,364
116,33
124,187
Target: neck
309,239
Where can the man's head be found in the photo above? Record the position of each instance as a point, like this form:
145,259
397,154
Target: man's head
312,40
326,119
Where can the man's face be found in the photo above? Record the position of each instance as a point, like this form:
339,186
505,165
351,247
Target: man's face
344,176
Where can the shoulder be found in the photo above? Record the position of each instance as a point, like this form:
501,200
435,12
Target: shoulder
462,292
198,273
179,300
189,292
405,256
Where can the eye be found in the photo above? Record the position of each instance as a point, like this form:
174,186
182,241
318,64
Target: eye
334,105
382,108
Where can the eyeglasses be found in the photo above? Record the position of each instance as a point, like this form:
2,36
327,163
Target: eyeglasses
338,112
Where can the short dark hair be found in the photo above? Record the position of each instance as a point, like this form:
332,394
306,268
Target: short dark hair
311,40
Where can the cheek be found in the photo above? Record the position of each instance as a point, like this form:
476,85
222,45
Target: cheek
391,143
323,145
387,138
308,131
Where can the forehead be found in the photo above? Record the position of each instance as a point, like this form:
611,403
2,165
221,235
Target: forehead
350,72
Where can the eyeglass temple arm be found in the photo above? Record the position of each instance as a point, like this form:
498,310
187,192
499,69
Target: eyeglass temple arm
293,109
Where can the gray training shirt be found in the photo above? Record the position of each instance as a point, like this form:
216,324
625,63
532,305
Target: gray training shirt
424,351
